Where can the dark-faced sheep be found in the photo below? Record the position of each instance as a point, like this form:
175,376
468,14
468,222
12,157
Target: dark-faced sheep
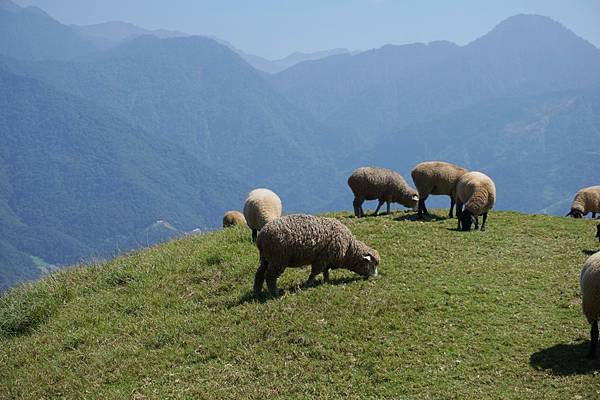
477,192
436,178
261,206
298,240
586,200
387,186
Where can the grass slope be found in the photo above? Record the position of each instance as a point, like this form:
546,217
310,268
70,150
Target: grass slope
492,314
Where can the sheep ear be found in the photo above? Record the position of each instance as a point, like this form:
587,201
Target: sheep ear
415,198
570,213
367,257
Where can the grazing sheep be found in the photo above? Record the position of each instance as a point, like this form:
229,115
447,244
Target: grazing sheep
477,192
370,183
590,294
232,218
261,207
297,240
586,200
436,177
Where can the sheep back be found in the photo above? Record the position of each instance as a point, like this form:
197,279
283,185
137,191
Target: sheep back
261,207
587,200
231,218
372,183
477,192
296,240
590,287
436,177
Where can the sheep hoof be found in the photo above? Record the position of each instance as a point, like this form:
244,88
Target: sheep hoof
310,283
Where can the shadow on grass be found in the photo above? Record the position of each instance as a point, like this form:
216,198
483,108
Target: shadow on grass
426,218
460,230
565,359
589,252
264,296
370,215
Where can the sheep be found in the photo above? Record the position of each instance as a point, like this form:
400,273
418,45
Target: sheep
370,183
436,177
261,206
589,281
232,218
477,192
297,240
586,200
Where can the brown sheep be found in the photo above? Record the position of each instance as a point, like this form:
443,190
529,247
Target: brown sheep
297,240
387,186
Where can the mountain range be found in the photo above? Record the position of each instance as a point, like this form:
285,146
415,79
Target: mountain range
110,34
118,137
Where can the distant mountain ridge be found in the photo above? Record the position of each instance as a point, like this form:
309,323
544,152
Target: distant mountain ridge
373,94
275,66
31,34
109,34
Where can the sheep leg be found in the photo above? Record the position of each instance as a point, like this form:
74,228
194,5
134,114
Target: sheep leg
459,207
388,207
310,282
483,223
326,275
259,277
425,210
254,235
452,202
271,277
378,207
358,211
315,270
477,222
422,208
593,215
594,339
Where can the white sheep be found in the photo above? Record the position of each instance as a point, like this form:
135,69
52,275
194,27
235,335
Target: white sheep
231,218
297,240
477,192
261,206
437,178
589,281
370,183
586,200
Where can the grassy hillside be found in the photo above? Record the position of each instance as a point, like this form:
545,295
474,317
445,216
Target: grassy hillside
492,314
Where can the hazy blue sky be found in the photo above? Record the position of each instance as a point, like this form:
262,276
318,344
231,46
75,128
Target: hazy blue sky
275,28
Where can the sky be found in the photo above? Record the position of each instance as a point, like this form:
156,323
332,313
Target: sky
276,28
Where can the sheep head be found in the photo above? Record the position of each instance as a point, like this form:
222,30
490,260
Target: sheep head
467,219
414,202
575,213
366,262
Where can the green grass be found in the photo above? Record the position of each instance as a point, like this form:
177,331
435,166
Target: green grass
492,314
